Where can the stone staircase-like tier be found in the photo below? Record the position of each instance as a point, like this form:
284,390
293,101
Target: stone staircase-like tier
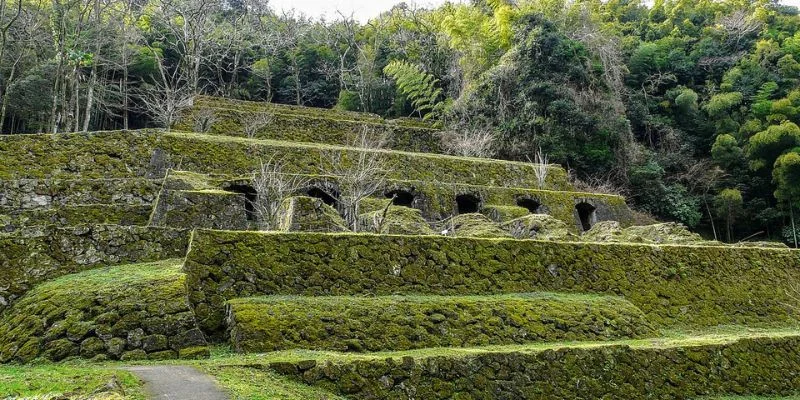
143,245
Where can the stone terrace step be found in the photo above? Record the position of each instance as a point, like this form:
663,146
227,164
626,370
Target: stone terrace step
756,363
261,324
671,284
303,124
13,219
148,153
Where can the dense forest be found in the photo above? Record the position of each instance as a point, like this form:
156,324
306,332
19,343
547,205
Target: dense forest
690,108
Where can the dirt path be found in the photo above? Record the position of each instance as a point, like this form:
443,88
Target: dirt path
176,382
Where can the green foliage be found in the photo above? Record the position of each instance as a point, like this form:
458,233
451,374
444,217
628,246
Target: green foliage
786,176
418,85
766,146
726,151
722,103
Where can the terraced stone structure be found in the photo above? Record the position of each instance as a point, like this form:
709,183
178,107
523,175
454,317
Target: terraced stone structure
455,278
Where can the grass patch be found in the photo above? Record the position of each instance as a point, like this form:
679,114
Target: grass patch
68,381
242,382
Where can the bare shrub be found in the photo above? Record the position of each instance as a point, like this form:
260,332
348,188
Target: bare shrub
203,120
600,185
273,186
253,123
540,167
359,173
469,142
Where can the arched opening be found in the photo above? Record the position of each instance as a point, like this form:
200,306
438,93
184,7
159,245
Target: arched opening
322,195
529,204
467,203
250,196
401,198
586,215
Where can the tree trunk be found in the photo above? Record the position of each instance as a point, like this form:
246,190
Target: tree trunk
794,232
710,218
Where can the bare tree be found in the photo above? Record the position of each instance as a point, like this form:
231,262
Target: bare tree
739,25
167,97
203,119
253,123
273,186
469,141
359,175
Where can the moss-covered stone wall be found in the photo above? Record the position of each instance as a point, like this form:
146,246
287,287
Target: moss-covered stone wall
312,128
14,219
332,113
45,193
149,153
759,366
211,209
129,312
672,285
30,258
261,324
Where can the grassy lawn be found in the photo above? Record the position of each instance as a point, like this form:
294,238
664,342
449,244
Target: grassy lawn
70,381
244,382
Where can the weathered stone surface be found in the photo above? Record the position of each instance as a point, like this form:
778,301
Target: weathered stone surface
760,366
538,226
47,193
309,214
29,258
212,209
102,314
664,233
687,285
353,323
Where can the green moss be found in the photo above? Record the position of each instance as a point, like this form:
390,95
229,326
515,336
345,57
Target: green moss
122,154
82,313
311,125
666,233
760,366
309,214
395,220
52,252
53,193
672,285
473,225
254,383
372,204
207,208
398,323
117,214
538,226
69,381
503,213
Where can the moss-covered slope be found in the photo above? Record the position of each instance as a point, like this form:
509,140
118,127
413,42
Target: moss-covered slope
125,312
260,324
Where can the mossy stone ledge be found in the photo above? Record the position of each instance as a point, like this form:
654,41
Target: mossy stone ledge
673,285
260,324
748,366
126,312
29,258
